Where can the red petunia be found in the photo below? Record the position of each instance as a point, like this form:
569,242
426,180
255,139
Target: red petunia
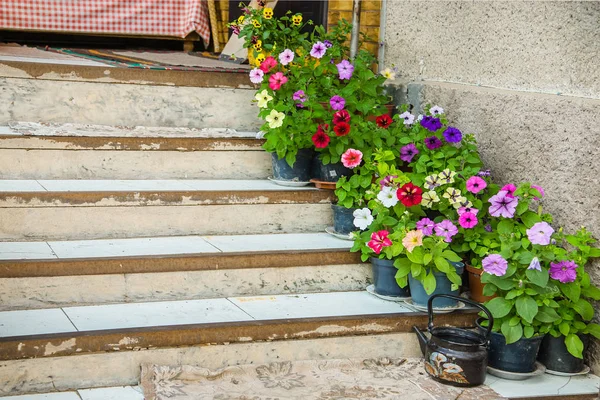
268,64
384,121
320,139
341,116
410,195
341,129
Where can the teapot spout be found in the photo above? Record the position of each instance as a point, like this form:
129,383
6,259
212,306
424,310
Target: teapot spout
422,339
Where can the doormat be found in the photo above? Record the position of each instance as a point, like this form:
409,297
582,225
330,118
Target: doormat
382,378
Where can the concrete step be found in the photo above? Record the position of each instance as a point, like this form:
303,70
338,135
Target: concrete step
79,151
50,274
92,209
94,346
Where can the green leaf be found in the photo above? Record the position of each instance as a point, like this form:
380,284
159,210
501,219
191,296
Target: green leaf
499,307
522,207
584,308
571,290
427,257
502,283
511,333
451,256
505,227
527,308
591,292
416,270
574,345
539,278
593,329
547,315
528,331
530,218
429,283
416,255
512,294
564,328
442,264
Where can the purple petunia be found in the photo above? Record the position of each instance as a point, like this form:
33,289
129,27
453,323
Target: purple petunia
503,205
433,142
540,233
286,57
327,43
495,264
299,96
387,181
407,117
318,50
452,135
535,264
426,226
256,75
408,152
345,69
563,271
337,103
431,123
446,229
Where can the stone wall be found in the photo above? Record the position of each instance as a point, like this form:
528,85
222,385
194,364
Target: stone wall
524,77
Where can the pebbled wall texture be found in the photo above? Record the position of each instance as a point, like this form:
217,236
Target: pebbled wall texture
524,77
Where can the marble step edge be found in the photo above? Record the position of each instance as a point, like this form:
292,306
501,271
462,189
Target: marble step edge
156,337
48,136
32,268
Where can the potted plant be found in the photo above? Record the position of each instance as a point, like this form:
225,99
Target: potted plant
563,347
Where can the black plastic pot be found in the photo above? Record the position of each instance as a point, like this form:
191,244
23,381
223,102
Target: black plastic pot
300,172
343,220
515,357
329,172
443,286
384,278
555,356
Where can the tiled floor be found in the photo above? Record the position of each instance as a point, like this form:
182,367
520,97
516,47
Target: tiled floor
112,393
169,245
129,315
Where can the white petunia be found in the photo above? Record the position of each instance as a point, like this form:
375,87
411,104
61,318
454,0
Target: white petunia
436,110
407,117
275,119
362,218
263,98
256,75
388,197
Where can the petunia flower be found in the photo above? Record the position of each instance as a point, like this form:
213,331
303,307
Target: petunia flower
345,69
318,50
468,220
341,129
410,195
436,110
263,98
453,195
388,197
362,218
351,158
407,117
446,176
433,142
535,264
452,135
426,226
256,75
379,240
539,189
432,181
462,203
320,139
299,96
388,74
337,102
475,184
327,43
268,64
510,188
503,205
341,116
286,57
463,210
275,119
563,271
276,80
540,233
495,264
446,229
383,121
484,173
412,239
387,181
431,123
429,198
408,152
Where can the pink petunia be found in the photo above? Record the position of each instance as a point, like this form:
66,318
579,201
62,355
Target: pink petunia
563,271
426,226
276,80
268,64
503,204
510,188
468,220
446,229
539,189
475,184
495,264
352,158
463,210
379,240
540,233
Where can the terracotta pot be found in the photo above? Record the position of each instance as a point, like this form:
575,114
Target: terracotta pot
476,286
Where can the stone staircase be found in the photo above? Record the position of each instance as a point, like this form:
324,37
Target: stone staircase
165,242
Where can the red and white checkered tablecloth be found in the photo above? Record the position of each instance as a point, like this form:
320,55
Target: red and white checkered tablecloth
140,17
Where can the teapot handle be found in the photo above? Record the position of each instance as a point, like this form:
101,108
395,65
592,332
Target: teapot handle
488,333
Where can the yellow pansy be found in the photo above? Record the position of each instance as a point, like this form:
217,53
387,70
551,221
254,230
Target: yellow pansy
260,58
256,23
297,19
258,45
268,13
275,119
240,19
263,98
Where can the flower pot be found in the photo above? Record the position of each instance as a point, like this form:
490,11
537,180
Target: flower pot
475,285
343,220
300,172
555,356
515,357
443,286
329,172
384,278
